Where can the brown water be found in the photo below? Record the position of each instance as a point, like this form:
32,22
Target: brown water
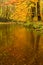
17,46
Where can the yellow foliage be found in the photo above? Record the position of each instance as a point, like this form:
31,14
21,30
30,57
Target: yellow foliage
20,12
34,0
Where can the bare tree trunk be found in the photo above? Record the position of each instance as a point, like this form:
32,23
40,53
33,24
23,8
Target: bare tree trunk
38,10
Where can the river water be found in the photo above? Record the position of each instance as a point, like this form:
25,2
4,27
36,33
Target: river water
17,45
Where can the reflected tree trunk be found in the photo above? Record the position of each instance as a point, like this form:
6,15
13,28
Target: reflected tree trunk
37,62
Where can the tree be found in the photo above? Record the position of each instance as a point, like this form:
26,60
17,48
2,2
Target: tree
35,41
7,14
38,10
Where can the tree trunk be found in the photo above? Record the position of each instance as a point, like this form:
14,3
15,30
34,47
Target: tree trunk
38,10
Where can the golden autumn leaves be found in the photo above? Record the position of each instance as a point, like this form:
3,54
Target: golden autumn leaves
19,10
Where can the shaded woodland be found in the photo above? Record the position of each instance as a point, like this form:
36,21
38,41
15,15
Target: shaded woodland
7,12
21,43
